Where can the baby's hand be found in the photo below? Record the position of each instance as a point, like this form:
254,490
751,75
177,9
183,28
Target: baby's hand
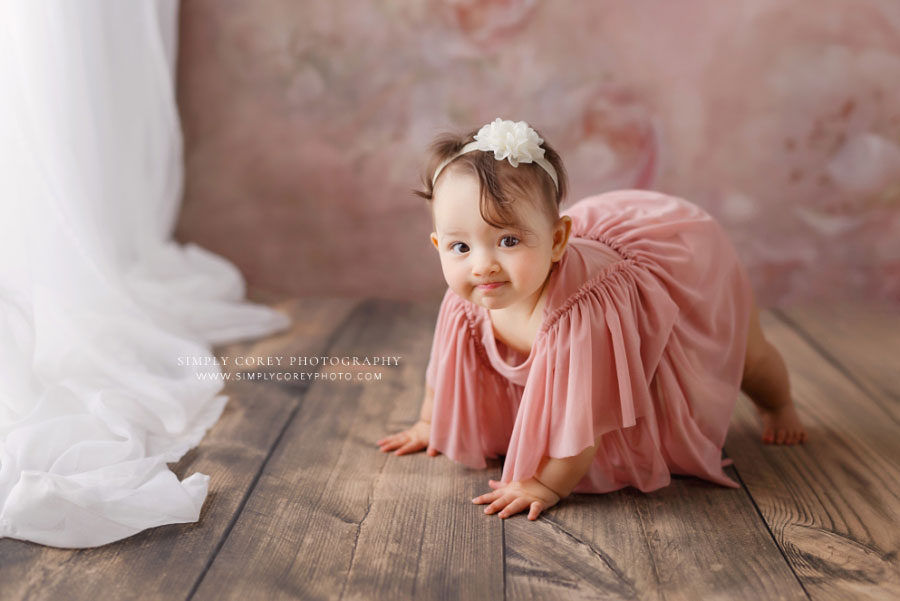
517,496
409,441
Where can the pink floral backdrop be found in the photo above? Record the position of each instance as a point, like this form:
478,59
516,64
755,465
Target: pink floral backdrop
305,121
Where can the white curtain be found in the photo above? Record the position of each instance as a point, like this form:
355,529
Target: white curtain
97,303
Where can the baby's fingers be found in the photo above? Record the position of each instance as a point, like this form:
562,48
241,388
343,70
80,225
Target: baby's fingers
536,508
515,507
487,497
389,443
410,447
500,503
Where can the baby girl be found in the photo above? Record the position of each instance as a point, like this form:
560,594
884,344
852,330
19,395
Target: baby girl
594,350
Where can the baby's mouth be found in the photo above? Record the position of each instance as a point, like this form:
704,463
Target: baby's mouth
489,285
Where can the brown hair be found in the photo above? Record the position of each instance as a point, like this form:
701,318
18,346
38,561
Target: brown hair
501,183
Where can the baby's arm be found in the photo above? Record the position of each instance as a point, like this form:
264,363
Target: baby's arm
562,475
415,438
427,404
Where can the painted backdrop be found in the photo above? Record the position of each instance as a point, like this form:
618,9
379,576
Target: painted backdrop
305,123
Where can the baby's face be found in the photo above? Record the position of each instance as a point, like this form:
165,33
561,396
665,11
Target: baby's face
492,267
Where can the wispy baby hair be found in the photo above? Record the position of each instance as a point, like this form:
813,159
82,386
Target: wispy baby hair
501,183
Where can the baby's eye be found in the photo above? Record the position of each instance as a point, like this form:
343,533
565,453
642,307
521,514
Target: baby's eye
508,241
458,248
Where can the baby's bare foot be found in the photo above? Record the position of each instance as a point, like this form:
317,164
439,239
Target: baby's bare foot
782,425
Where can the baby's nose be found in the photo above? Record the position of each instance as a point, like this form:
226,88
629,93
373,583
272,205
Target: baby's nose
484,263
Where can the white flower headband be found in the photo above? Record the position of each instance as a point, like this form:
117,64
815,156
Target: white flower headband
516,142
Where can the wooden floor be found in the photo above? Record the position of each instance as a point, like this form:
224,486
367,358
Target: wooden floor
302,505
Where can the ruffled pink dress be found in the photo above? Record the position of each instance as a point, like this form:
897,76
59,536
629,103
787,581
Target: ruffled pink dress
641,348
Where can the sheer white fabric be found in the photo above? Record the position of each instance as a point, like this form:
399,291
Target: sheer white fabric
97,303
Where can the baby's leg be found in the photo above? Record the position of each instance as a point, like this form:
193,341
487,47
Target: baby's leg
767,384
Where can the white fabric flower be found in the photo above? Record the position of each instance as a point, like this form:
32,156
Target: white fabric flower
515,142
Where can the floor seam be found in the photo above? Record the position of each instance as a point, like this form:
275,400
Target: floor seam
659,584
765,522
329,343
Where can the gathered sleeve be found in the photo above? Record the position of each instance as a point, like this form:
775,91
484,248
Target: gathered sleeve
471,400
593,368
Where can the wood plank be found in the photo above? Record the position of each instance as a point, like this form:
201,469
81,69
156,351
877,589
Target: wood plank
333,517
833,504
166,562
860,338
690,540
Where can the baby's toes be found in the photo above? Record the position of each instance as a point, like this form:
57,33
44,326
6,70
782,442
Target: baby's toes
780,436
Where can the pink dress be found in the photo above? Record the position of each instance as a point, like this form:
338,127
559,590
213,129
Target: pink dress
641,346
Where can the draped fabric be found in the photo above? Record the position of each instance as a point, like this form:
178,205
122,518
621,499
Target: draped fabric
103,317
640,351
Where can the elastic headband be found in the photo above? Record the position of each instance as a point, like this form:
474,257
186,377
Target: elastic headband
516,142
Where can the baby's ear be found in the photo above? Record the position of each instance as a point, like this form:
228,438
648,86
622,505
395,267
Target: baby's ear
561,236
434,240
